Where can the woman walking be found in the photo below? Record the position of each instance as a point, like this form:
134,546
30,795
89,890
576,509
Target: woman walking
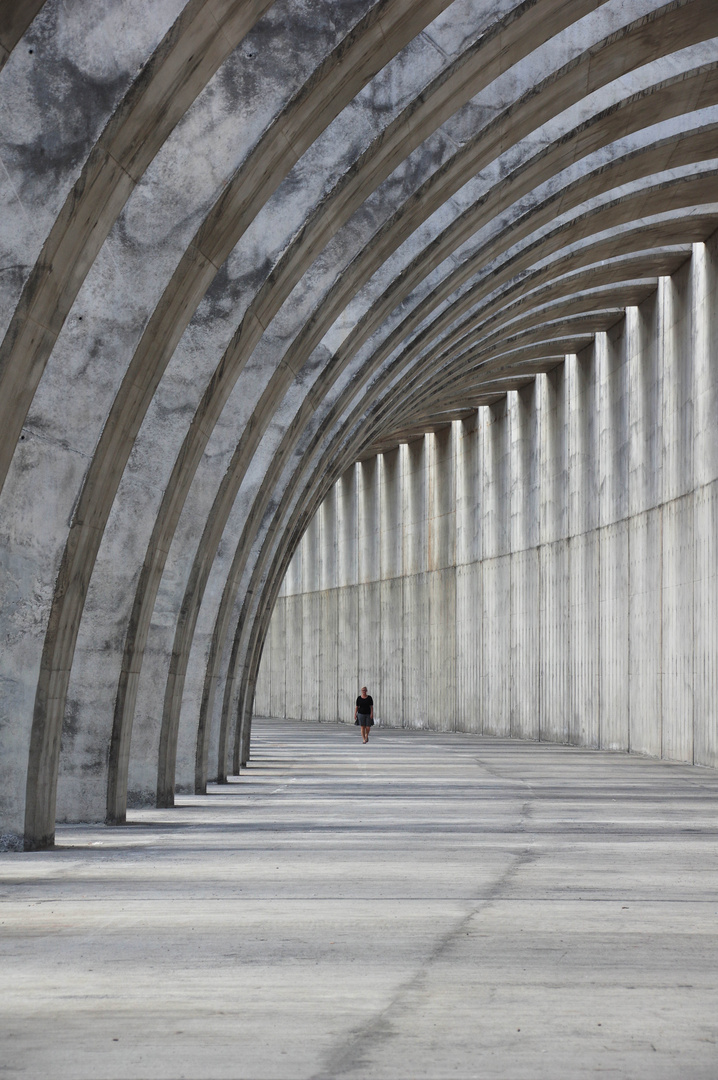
364,713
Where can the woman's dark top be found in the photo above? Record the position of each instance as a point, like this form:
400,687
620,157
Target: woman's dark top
364,705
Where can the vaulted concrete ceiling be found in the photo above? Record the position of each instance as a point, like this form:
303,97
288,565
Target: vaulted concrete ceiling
247,243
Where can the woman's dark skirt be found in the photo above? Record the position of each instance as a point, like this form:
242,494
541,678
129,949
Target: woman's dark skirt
364,720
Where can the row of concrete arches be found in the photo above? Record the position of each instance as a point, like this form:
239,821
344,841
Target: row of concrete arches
249,244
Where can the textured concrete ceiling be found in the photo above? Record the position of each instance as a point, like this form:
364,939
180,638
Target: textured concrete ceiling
247,243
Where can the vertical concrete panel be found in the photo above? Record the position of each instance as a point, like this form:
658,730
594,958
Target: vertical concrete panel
441,688
582,450
469,647
278,668
613,380
442,500
369,644
328,575
495,482
705,659
391,660
496,568
524,539
677,374
261,694
327,666
525,644
293,583
705,352
415,489
311,556
416,652
613,543
293,655
583,640
583,516
311,654
551,396
369,521
678,645
553,628
468,504
390,508
346,528
347,600
644,672
645,468
496,619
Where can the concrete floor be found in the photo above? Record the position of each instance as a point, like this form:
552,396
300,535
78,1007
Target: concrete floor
425,906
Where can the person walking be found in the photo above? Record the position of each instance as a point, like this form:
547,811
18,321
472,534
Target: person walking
364,713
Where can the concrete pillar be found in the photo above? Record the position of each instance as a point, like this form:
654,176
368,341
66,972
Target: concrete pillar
496,568
705,644
524,540
311,611
327,629
391,588
469,650
645,492
414,483
347,594
553,556
583,649
678,539
441,575
370,621
612,373
294,633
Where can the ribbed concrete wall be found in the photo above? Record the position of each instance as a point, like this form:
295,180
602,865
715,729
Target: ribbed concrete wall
546,568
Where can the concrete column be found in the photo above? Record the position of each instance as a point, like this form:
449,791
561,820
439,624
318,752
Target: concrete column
645,486
496,569
678,539
469,623
294,633
441,686
347,594
328,629
612,372
553,556
524,541
391,588
705,644
414,482
369,627
311,612
583,649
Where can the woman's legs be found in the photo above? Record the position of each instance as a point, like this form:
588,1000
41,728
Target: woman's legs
365,733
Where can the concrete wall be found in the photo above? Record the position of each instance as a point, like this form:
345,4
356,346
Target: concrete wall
545,569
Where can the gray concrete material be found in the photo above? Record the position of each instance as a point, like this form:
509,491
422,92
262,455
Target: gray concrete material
435,307
429,905
171,698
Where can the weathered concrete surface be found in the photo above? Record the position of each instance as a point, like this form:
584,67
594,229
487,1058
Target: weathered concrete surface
426,906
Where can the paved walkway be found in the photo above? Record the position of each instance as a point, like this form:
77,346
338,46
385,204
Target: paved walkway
425,906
